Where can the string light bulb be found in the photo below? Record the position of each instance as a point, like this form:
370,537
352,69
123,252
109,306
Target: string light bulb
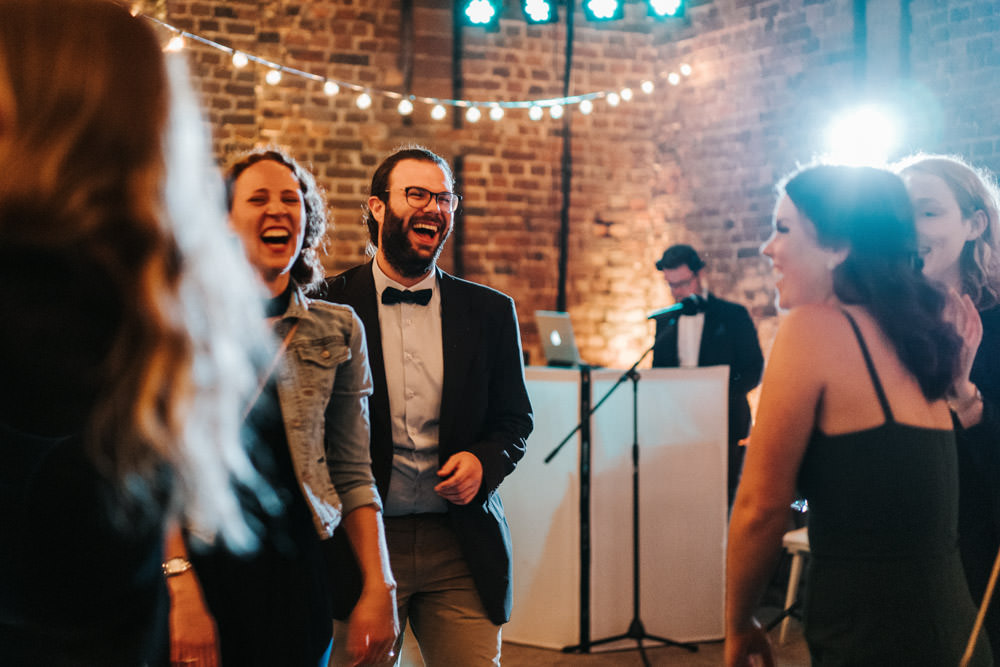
473,114
496,112
685,69
438,112
364,101
613,99
175,44
586,107
330,88
535,112
647,87
674,78
405,107
556,111
626,94
273,76
240,59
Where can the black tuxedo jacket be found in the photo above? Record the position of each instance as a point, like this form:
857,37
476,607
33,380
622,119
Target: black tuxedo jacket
728,338
484,410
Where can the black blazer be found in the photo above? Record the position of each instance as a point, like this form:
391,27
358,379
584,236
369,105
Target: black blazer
728,339
484,410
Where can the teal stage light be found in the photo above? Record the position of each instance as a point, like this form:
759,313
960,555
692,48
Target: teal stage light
666,9
480,13
604,10
539,11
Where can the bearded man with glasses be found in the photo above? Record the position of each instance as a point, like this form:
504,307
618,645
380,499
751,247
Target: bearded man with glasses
449,418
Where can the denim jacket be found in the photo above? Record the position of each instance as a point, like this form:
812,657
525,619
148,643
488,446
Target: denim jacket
323,388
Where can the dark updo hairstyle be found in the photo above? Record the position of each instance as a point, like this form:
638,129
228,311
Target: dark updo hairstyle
307,270
868,212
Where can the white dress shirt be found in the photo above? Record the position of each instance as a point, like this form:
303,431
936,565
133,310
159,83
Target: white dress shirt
414,374
689,329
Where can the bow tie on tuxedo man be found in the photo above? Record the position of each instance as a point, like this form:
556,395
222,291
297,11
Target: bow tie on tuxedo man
420,297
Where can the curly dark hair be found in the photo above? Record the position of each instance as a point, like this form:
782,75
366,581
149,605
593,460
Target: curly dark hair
868,211
307,270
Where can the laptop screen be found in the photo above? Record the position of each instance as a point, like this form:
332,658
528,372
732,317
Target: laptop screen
556,333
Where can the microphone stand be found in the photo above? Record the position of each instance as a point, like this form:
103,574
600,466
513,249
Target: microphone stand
636,629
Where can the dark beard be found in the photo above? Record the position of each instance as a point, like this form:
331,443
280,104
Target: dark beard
397,249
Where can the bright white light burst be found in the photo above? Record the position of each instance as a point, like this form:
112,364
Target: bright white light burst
496,113
240,59
364,101
438,112
586,107
613,99
331,88
864,136
273,77
405,107
473,114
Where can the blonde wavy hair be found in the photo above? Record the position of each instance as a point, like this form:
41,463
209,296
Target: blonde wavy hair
107,174
974,190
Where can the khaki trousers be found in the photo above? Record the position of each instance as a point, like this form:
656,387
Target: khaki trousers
435,592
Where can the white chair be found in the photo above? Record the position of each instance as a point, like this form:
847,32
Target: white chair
796,542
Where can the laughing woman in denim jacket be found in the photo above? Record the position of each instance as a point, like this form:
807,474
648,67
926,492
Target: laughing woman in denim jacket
308,432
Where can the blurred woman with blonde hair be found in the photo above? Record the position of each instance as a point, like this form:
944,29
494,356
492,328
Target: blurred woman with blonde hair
958,230
124,356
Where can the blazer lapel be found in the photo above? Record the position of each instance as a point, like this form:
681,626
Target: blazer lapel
460,337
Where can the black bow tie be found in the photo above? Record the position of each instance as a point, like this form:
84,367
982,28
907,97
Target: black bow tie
420,297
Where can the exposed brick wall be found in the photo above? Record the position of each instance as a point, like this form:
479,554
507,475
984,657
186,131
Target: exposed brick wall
693,163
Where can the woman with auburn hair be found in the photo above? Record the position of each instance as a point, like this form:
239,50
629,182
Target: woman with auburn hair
125,354
958,228
853,415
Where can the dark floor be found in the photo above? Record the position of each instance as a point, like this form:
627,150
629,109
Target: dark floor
792,654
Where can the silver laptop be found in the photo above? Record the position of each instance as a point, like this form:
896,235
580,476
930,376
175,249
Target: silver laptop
556,333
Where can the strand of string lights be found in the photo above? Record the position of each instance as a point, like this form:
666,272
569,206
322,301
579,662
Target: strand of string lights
474,109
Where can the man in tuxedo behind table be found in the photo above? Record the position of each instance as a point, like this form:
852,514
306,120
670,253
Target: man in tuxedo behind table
449,416
719,333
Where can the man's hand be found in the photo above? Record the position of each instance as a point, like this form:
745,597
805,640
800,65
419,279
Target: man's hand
463,474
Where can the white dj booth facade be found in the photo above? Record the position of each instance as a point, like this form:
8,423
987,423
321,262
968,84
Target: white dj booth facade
682,483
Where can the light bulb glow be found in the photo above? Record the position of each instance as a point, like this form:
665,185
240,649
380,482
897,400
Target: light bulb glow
865,136
603,9
538,10
613,99
175,44
240,59
556,111
535,112
405,107
685,69
364,101
473,114
666,7
480,12
438,112
626,94
496,113
648,87
674,78
331,88
273,77
586,107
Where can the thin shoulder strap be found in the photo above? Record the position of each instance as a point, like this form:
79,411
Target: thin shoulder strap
871,368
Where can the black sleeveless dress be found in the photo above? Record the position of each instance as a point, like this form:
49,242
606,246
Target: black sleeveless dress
885,584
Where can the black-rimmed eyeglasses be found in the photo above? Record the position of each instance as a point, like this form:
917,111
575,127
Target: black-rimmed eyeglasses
418,197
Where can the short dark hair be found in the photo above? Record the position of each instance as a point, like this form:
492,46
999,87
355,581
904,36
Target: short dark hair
380,179
308,268
678,255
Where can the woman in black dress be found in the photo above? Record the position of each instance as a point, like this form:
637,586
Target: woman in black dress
853,414
958,227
